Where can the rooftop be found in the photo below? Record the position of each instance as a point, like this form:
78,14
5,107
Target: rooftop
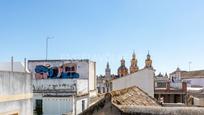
133,100
53,60
132,96
190,74
193,74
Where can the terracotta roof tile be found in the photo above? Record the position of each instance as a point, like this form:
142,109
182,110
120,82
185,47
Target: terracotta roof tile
132,96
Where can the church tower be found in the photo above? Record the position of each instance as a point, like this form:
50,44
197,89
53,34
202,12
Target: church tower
148,62
122,70
108,72
133,68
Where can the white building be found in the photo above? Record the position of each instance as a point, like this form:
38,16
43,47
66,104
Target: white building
15,90
62,86
143,79
193,78
59,96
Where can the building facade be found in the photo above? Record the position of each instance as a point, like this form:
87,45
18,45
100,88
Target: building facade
16,93
62,86
193,78
167,91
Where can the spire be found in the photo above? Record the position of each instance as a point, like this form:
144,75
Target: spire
107,66
148,55
133,55
122,62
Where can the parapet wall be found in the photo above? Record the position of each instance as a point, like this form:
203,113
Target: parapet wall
15,93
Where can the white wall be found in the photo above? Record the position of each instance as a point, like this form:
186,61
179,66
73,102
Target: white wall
78,85
195,81
79,105
82,66
92,76
15,93
198,101
57,105
23,107
176,85
144,79
62,105
85,68
82,87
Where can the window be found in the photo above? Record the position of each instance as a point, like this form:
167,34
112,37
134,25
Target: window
99,89
38,107
161,84
38,103
83,105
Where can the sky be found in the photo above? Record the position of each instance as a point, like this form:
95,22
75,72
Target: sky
105,31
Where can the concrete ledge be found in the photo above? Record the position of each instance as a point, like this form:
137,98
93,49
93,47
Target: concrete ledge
16,97
15,112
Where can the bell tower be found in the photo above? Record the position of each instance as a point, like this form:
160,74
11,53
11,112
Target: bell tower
108,72
122,70
133,68
148,61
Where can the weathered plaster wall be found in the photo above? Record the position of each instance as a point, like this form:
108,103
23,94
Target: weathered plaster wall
80,86
15,93
57,105
195,82
79,104
85,68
